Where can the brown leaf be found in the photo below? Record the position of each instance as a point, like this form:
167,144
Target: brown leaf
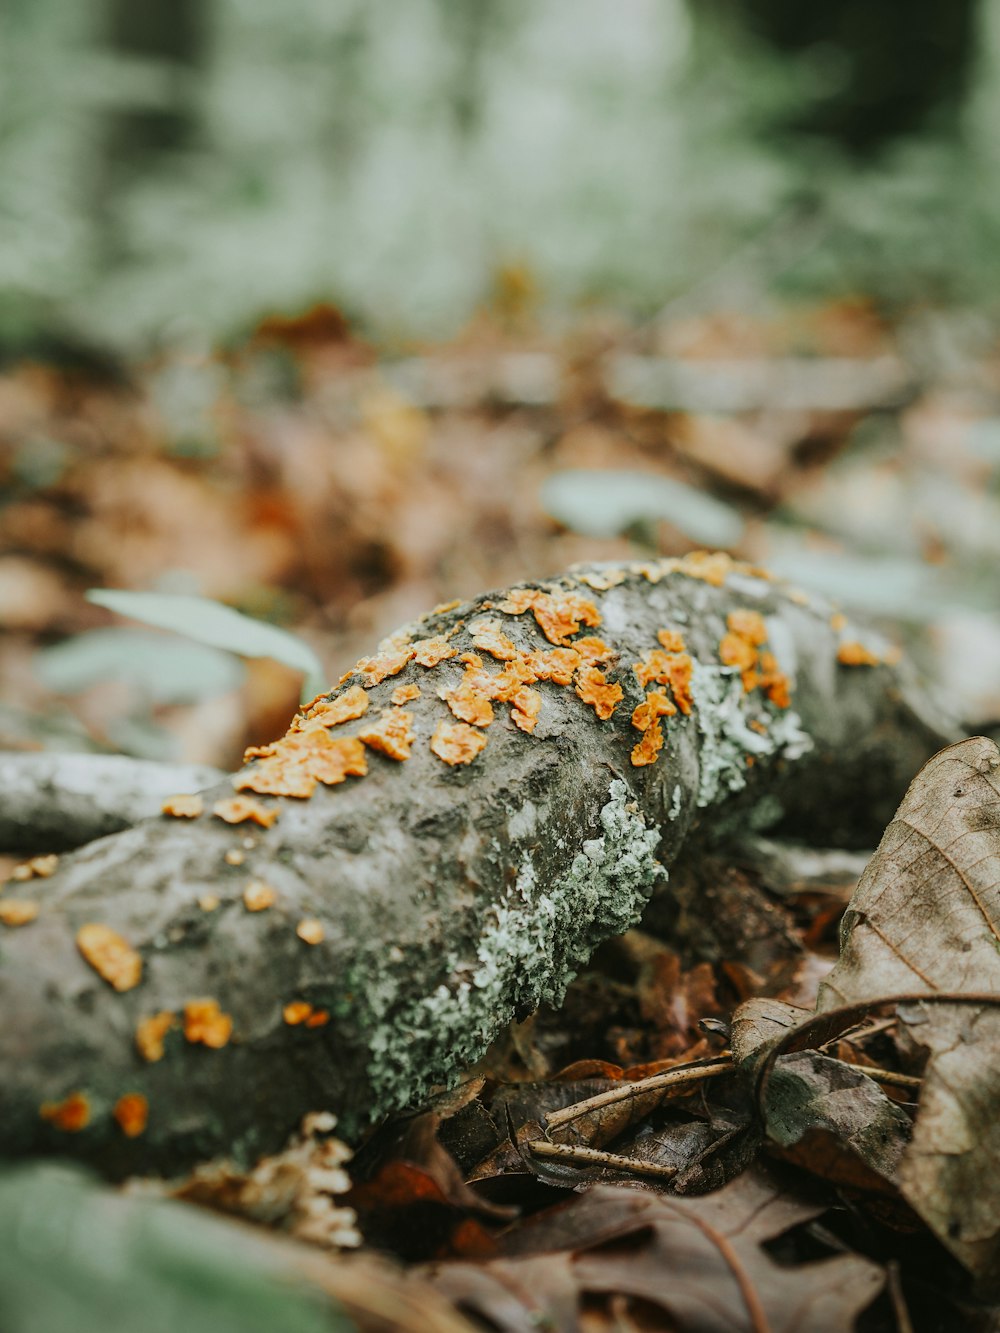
699,1261
925,919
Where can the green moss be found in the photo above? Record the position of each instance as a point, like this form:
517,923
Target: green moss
534,943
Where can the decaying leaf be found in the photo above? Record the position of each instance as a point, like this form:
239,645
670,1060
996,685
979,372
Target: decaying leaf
699,1262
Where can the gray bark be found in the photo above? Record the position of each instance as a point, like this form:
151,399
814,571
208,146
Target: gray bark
452,899
52,802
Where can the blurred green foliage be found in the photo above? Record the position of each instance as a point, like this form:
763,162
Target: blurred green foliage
172,179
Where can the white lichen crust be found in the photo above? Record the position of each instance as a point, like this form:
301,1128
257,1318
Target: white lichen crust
535,941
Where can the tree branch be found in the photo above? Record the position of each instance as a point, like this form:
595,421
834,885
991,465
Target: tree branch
449,897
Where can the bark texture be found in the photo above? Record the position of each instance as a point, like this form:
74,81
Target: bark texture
55,801
451,898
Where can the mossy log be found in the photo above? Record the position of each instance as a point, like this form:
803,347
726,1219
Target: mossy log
370,942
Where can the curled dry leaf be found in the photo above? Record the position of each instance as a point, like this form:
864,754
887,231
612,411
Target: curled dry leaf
925,920
699,1262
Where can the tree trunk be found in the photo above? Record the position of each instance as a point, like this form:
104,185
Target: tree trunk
450,897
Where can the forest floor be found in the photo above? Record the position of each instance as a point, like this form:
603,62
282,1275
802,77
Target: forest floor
339,489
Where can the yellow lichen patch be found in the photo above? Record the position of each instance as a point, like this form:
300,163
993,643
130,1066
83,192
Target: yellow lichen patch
773,681
310,931
678,677
234,857
735,651
208,902
655,705
392,735
238,809
300,1012
150,1032
673,669
561,614
749,625
404,694
838,622
374,670
711,566
741,648
70,1115
259,896
443,608
206,1025
488,636
592,650
649,746
183,806
110,955
344,757
17,911
37,867
527,704
672,640
593,689
275,776
519,600
429,652
457,743
853,653
556,664
470,704
346,707
132,1114
601,582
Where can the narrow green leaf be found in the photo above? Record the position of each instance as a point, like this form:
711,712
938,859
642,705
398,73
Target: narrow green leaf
600,503
217,626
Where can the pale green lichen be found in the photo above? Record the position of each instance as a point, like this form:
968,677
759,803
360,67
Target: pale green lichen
728,739
532,947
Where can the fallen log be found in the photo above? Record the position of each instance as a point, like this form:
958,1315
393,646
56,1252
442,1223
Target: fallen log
435,847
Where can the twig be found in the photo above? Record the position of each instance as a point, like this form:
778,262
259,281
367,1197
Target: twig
693,1073
598,1157
888,1076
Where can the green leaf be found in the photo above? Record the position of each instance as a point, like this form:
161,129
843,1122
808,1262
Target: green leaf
76,1257
600,503
217,626
165,671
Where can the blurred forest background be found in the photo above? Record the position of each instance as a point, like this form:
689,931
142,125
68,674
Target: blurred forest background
333,311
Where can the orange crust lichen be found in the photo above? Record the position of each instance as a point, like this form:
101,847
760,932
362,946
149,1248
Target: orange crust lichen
470,704
239,809
593,689
488,636
374,670
558,665
404,694
258,896
150,1032
741,647
430,652
70,1115
655,705
526,706
131,1111
852,653
559,615
17,911
183,806
353,703
206,1025
457,743
392,734
310,931
300,1012
647,748
110,955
